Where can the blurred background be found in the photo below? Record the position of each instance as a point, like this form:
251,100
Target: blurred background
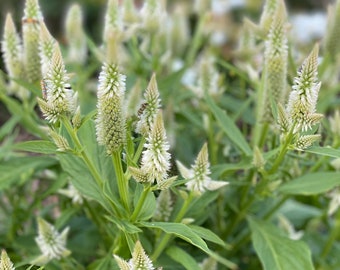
54,10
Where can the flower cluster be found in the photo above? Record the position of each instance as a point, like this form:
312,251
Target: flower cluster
51,243
110,123
5,261
58,97
198,177
300,113
139,260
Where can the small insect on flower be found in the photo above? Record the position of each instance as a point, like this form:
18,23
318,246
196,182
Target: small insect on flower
30,21
142,109
68,86
43,88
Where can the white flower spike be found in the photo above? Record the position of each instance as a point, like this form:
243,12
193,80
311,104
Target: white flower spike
5,261
156,158
198,175
51,243
110,123
139,260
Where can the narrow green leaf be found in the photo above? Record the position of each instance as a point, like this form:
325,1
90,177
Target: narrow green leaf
81,177
38,146
19,170
15,108
149,205
180,230
182,257
228,126
8,126
324,151
311,184
208,235
187,234
276,251
124,225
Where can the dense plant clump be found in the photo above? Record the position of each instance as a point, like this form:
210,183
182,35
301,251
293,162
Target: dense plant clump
98,139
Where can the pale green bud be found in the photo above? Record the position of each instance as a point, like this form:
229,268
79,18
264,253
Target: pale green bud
305,141
75,36
13,57
31,35
164,206
110,122
5,261
139,175
76,119
59,141
331,40
282,118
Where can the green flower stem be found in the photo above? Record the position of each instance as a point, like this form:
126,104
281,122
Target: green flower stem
263,135
245,206
140,202
139,150
167,237
212,141
196,41
283,151
246,235
123,184
333,236
83,154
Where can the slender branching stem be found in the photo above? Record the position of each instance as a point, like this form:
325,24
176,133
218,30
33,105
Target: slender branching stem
165,238
71,131
141,202
123,184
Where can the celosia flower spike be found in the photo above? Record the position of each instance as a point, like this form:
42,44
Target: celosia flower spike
331,40
164,206
5,261
51,243
198,176
47,45
75,35
31,34
153,15
150,108
13,57
59,98
156,158
275,67
303,98
139,260
110,123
